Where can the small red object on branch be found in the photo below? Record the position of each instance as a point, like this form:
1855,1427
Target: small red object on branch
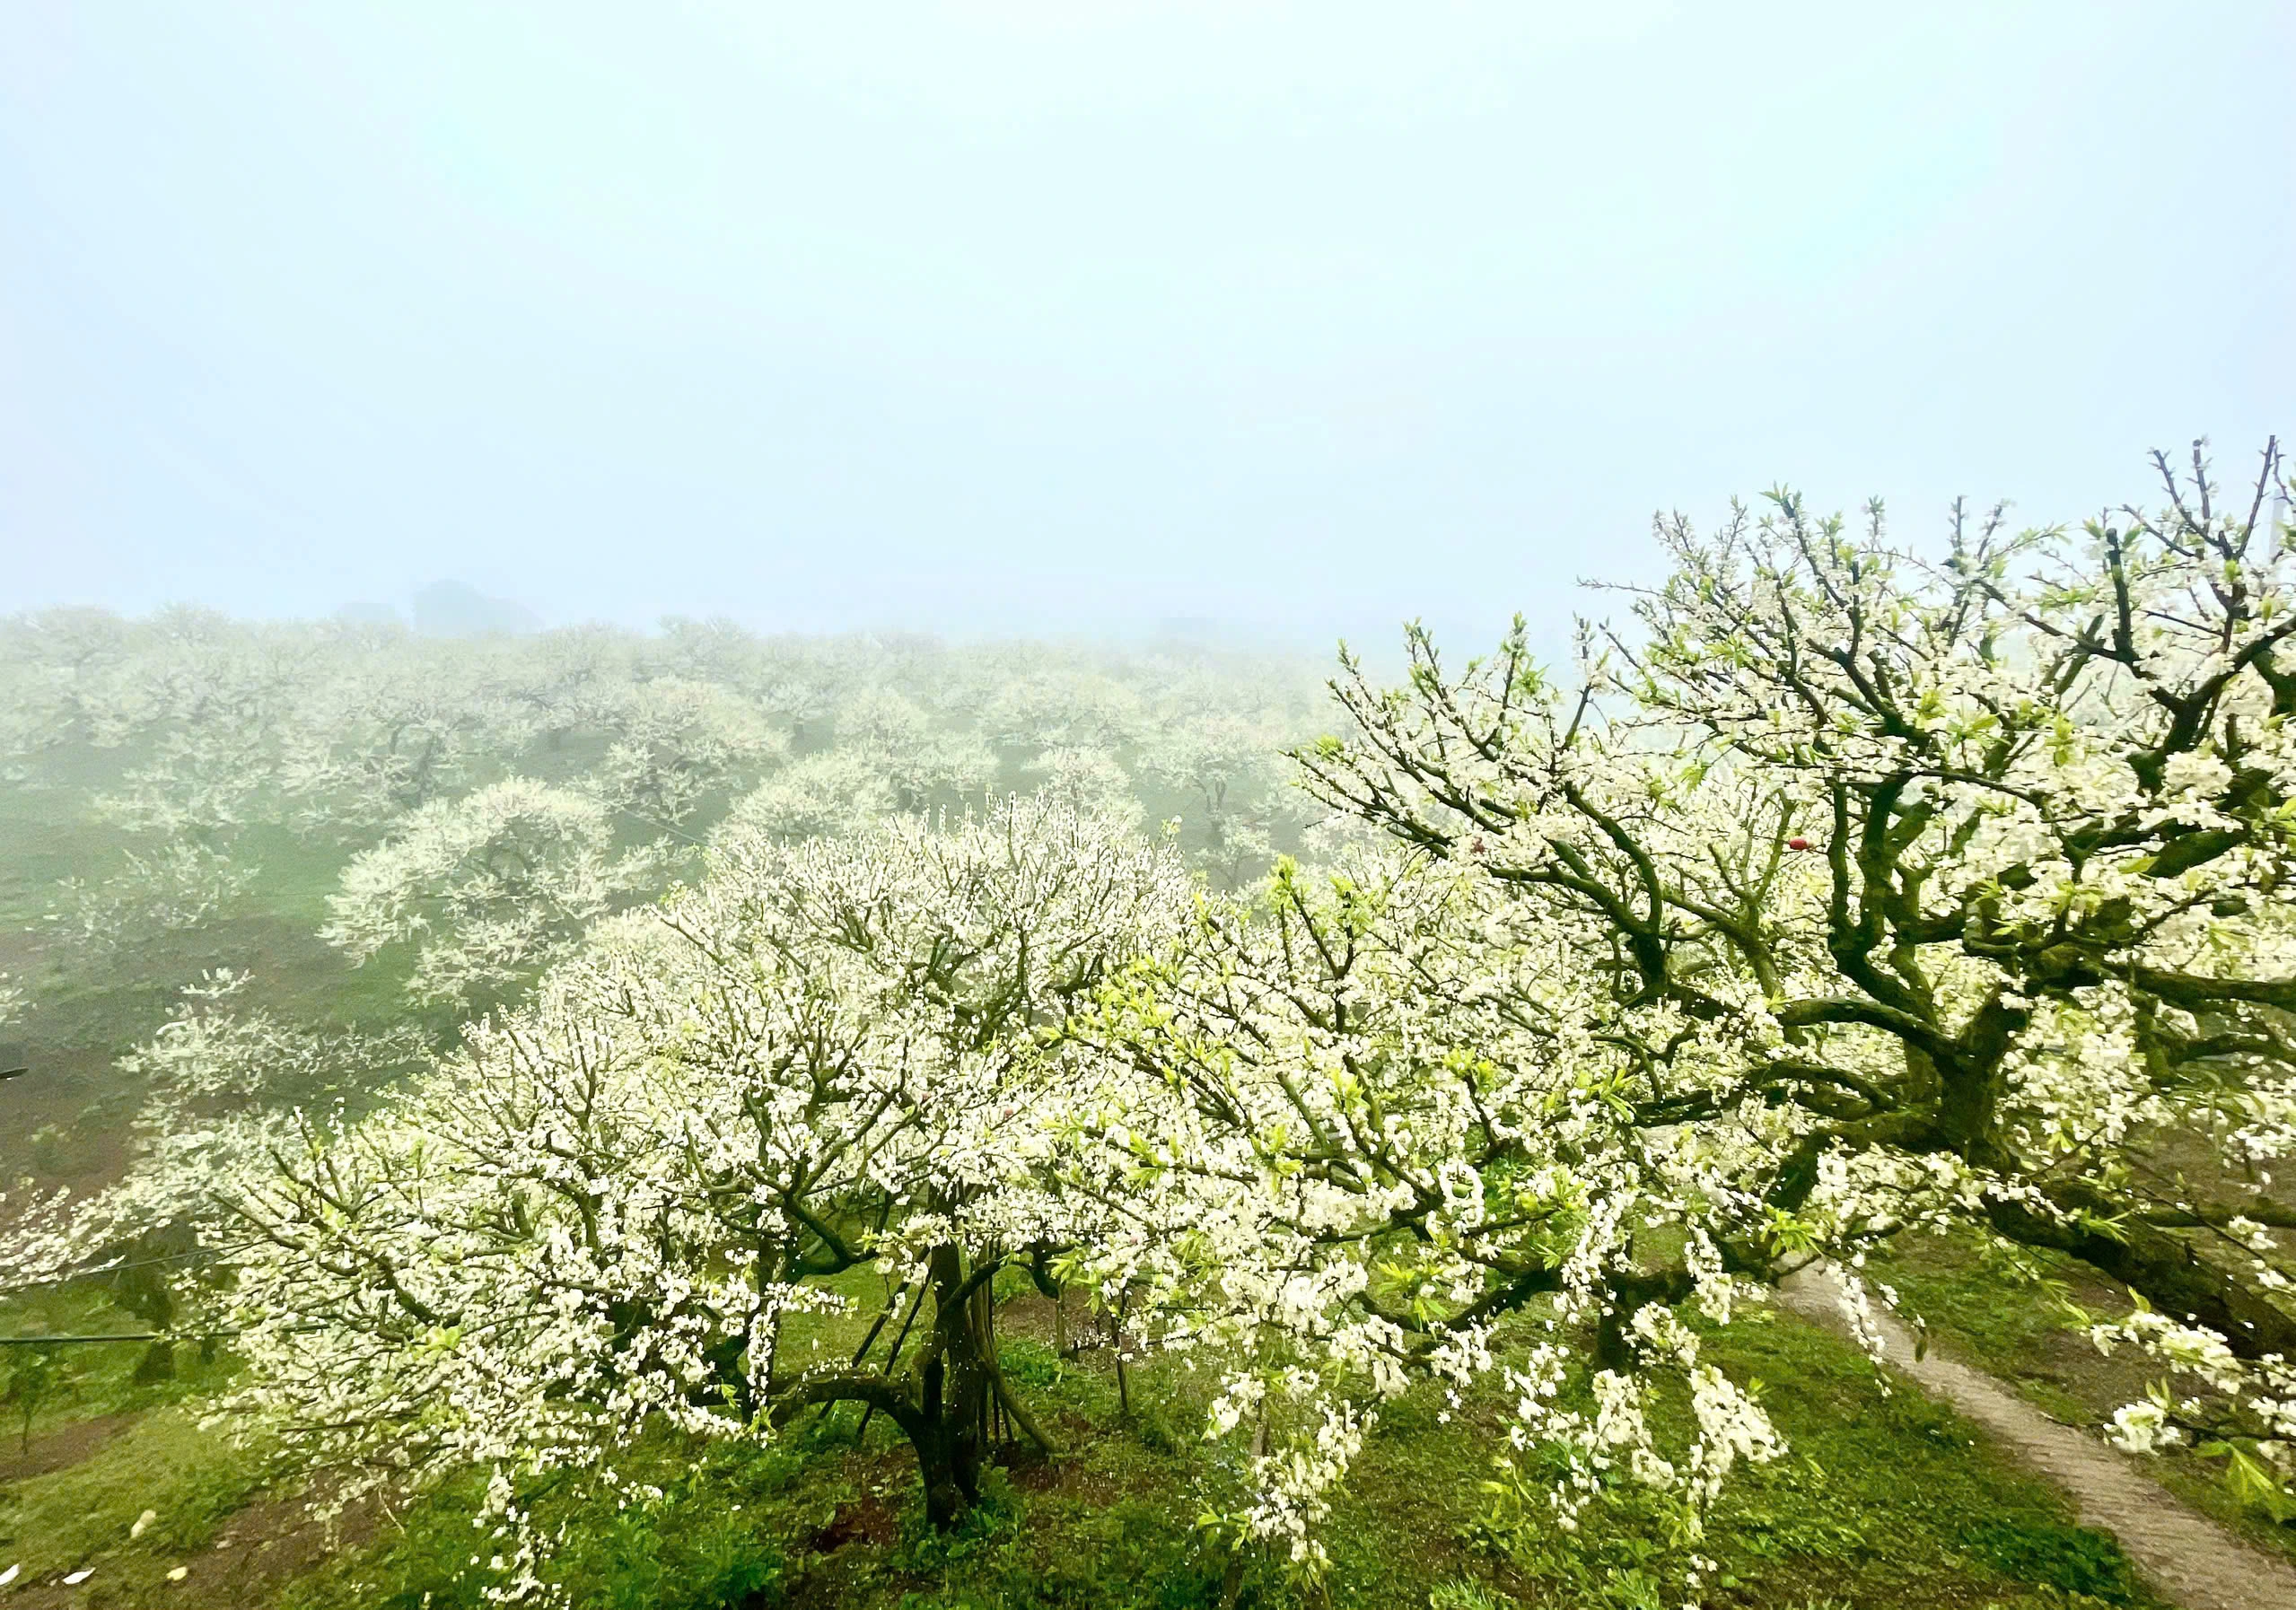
1797,842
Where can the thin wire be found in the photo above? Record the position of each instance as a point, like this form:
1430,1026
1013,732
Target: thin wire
98,1273
133,1336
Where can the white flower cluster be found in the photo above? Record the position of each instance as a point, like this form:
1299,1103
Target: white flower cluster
2247,1403
1913,892
220,1088
341,728
182,884
1376,1127
599,1215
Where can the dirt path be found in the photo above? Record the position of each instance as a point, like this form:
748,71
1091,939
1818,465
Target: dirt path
60,1449
2188,1559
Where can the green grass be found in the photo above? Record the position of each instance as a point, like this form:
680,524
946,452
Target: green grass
1881,1501
1889,1500
2013,1314
192,1481
1886,1503
50,832
43,1388
2017,1322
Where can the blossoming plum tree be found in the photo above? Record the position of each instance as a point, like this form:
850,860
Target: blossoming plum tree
597,1215
1381,1116
1923,892
672,742
821,796
1843,890
923,762
206,706
1091,779
218,1083
180,884
398,724
59,670
492,886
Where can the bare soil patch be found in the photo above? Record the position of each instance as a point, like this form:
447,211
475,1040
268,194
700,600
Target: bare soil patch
60,1449
259,1550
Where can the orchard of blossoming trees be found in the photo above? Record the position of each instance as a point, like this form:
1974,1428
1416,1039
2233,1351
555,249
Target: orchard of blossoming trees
1845,888
495,795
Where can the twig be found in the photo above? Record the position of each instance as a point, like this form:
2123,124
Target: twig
893,1358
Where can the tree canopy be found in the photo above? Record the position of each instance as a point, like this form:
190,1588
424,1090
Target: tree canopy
1843,888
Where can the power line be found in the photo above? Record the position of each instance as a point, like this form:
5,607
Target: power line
98,1273
125,1337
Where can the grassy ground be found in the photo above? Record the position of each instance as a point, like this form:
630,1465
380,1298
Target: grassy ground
1885,1502
2021,1323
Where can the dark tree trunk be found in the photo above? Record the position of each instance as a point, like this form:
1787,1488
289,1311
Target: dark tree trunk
1626,1295
950,1487
956,1396
1612,1350
946,1415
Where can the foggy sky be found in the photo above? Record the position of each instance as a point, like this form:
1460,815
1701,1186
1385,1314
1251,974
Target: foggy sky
1071,316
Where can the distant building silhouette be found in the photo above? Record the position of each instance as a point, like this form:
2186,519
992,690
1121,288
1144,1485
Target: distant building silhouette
456,610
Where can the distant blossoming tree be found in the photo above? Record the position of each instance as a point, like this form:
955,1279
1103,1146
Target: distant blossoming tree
221,1087
489,888
671,743
399,723
922,760
1090,779
820,796
180,885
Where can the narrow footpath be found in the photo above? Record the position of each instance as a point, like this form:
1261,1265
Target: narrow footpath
2188,1558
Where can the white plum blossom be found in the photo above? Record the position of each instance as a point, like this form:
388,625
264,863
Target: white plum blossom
821,796
1843,889
1374,1130
182,884
673,742
218,1086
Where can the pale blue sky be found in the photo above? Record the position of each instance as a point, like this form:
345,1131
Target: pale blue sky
1061,316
